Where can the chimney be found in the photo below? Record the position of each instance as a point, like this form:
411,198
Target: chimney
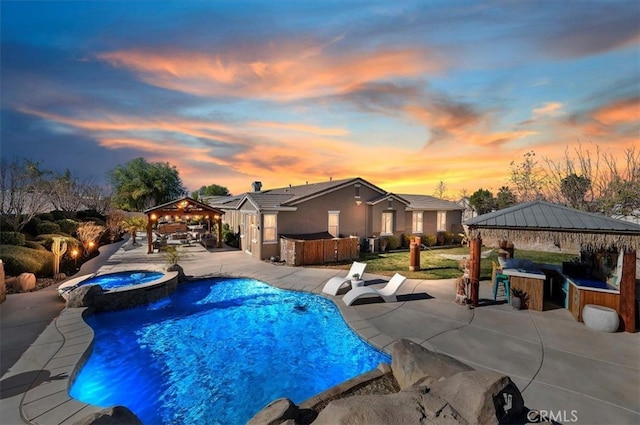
257,186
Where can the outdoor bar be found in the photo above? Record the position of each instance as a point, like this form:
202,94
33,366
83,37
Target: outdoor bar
603,277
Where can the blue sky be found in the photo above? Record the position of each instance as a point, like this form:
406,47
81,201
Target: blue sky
404,94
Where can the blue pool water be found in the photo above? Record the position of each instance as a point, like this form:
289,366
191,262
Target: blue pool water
122,279
217,351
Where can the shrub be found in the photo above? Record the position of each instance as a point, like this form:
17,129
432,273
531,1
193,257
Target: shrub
46,217
97,220
90,215
12,238
230,237
47,227
392,242
448,238
35,245
429,240
32,226
19,259
62,215
68,226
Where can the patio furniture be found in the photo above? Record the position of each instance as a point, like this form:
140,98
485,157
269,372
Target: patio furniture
388,293
497,277
208,240
334,284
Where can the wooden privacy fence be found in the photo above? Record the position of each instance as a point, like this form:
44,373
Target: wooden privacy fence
296,252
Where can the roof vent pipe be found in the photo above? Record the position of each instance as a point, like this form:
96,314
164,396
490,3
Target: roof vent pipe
257,186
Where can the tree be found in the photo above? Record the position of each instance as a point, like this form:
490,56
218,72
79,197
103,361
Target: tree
596,182
65,192
211,190
482,201
22,191
528,178
138,184
115,223
440,190
574,188
505,198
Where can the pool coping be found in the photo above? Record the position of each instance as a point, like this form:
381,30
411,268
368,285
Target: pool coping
48,401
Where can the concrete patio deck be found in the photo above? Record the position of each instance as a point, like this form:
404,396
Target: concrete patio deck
562,367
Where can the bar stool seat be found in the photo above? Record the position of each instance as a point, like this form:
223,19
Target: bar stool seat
499,278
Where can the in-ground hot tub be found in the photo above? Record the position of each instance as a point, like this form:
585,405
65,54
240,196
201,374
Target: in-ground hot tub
123,289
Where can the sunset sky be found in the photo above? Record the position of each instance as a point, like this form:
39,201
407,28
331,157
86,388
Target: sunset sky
404,94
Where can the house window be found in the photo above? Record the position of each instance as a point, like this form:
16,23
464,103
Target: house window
334,223
417,222
442,221
270,228
387,223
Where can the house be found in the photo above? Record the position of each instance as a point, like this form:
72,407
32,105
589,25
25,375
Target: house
334,208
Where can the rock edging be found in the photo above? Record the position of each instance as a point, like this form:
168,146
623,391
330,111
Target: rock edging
435,389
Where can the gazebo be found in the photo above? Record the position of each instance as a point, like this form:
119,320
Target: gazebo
185,207
563,226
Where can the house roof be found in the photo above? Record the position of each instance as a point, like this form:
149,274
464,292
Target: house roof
430,203
287,198
184,205
559,223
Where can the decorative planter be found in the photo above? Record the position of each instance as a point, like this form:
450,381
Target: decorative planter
516,303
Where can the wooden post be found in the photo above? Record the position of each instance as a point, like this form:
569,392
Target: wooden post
149,235
628,291
219,224
474,269
414,254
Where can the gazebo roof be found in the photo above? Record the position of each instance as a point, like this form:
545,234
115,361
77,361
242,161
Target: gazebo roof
185,205
557,223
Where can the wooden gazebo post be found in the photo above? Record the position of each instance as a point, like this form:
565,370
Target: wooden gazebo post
219,224
628,291
474,268
149,233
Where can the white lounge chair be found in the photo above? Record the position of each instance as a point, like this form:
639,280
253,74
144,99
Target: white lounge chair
388,293
334,284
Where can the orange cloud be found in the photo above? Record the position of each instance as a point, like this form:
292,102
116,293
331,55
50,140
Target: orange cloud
285,76
552,109
619,112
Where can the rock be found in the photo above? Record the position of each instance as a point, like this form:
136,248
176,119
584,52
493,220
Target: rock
116,415
25,282
59,276
438,411
394,409
384,368
481,397
83,296
277,412
412,364
177,268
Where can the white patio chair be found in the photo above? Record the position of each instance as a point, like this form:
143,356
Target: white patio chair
388,293
334,284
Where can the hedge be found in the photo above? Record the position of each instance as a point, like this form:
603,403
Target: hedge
20,259
47,227
12,238
67,226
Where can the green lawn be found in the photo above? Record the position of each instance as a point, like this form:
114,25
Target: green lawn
433,266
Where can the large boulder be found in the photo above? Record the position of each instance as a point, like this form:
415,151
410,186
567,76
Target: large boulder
413,364
83,296
117,415
394,409
481,397
25,282
277,412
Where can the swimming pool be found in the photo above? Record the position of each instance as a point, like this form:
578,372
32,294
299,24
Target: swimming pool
217,351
